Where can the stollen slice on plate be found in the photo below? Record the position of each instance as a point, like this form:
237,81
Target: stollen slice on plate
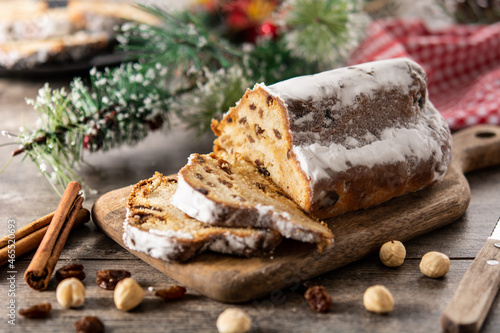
157,228
232,192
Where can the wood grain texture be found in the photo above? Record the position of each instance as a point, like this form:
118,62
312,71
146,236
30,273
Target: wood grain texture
357,234
419,300
284,310
475,292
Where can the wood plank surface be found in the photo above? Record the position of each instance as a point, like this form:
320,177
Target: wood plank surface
476,291
356,234
285,310
25,195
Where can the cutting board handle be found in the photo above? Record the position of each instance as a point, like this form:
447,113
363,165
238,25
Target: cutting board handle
476,147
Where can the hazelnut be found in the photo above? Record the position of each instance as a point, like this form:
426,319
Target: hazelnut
392,254
378,299
70,293
435,264
233,320
128,294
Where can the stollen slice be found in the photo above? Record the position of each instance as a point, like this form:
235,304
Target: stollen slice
162,231
232,192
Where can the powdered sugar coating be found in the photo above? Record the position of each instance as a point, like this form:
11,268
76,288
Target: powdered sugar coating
175,245
347,102
346,83
338,120
193,203
159,245
395,145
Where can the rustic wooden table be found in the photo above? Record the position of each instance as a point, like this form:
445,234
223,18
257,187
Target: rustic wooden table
26,195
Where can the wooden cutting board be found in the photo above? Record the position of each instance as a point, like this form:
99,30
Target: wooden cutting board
232,279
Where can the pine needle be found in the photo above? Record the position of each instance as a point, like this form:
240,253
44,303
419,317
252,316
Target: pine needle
319,30
186,66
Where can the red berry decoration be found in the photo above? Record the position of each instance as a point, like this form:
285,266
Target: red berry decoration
268,29
86,141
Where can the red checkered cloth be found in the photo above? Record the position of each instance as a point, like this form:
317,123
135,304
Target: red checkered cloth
462,64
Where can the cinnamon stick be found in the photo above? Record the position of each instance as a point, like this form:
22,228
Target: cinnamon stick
29,229
40,269
29,237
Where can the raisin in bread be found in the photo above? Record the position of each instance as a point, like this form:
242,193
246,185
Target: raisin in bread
232,192
341,140
157,228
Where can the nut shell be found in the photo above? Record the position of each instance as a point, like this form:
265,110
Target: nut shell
233,320
378,299
128,294
393,253
70,293
434,264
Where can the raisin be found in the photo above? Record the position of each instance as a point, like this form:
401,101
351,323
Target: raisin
107,279
172,180
147,207
258,130
72,270
36,311
142,215
260,186
269,101
261,112
202,190
318,298
200,159
419,100
229,119
171,293
89,324
210,184
208,170
225,182
250,139
261,168
288,154
252,106
277,134
199,176
243,120
238,197
224,165
281,194
329,200
328,114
